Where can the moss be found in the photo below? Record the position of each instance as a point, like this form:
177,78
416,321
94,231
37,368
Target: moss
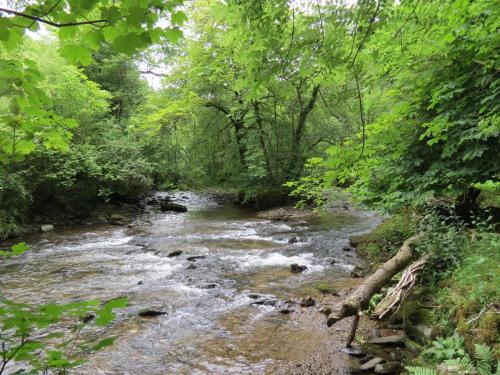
326,288
489,328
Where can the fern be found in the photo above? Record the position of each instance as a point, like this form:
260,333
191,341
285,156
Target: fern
463,364
419,370
484,359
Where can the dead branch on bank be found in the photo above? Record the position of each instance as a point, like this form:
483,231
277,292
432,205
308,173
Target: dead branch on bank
360,298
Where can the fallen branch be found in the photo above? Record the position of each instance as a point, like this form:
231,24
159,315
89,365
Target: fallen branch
397,296
360,298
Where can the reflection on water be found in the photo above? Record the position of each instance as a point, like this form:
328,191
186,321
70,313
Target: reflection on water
210,326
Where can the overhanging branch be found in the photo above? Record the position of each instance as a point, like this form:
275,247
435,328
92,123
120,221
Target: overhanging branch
51,23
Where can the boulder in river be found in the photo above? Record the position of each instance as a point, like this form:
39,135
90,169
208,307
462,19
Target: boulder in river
171,206
118,219
196,257
175,253
295,268
47,227
293,240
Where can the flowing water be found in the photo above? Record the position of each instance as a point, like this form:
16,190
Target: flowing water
212,324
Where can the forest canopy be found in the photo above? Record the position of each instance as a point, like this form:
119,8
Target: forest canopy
397,101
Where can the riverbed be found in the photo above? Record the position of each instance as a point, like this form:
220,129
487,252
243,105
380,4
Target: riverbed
211,322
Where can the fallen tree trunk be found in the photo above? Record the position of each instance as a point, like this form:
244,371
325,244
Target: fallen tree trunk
360,298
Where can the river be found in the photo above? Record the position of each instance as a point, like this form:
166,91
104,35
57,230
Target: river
212,324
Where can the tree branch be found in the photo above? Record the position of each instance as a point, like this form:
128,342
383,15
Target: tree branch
371,22
152,73
48,22
217,106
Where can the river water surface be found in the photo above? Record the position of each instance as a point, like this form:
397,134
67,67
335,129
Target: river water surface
212,324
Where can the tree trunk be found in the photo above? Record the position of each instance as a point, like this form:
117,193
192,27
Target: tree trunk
298,133
262,141
360,298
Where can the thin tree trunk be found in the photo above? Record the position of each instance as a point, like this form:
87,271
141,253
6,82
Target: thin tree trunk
262,142
298,133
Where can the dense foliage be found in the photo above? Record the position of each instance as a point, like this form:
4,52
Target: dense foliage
394,101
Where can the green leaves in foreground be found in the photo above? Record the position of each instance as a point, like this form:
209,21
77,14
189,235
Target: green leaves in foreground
127,26
15,250
51,336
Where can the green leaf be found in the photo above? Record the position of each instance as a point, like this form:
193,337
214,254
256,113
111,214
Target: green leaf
173,35
128,43
106,342
25,147
110,34
94,39
19,248
5,26
117,303
104,317
178,18
75,54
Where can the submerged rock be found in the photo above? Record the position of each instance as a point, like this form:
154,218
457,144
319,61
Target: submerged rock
171,206
358,272
287,214
263,300
175,253
209,286
326,310
46,228
118,219
295,268
307,302
196,257
150,313
326,288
